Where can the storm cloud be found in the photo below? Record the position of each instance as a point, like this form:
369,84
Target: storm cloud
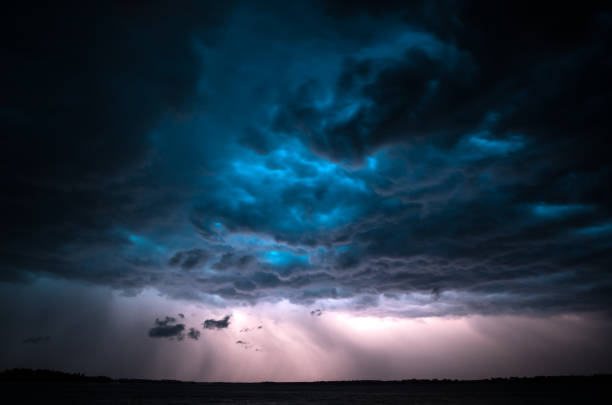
193,334
217,324
407,159
167,328
189,259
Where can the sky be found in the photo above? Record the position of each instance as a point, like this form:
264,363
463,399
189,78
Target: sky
326,190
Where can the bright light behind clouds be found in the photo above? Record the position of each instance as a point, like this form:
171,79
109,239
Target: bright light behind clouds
107,334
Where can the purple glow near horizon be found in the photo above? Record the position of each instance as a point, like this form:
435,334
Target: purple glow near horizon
284,342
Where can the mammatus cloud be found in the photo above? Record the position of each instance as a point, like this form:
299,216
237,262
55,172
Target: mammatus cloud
36,339
217,324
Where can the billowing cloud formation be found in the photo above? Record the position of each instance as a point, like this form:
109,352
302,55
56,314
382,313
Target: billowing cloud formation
189,259
405,159
217,324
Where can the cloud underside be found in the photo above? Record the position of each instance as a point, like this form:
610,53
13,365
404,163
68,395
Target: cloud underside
421,159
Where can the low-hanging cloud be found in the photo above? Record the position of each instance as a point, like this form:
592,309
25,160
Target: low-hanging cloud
167,328
193,334
217,324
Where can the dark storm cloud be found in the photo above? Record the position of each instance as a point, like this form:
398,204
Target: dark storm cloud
217,324
167,331
426,93
451,157
164,322
245,285
193,334
190,259
231,260
84,86
36,339
167,328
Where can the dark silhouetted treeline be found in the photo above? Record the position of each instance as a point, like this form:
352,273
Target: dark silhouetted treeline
58,388
27,375
30,375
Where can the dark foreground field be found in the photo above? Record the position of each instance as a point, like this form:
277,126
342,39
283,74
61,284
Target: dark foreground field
84,390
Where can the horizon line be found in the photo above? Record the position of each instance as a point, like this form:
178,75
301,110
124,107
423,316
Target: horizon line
64,376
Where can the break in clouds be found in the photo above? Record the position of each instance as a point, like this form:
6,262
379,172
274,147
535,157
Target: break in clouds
415,159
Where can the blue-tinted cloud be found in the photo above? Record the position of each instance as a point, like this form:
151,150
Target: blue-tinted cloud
393,158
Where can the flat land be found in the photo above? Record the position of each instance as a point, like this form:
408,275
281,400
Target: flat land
548,390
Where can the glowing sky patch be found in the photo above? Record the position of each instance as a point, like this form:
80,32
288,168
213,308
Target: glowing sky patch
497,146
139,242
596,229
403,41
280,258
557,210
298,343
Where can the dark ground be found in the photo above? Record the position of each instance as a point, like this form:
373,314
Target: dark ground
76,389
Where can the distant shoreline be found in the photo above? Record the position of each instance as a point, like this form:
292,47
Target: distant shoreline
43,375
